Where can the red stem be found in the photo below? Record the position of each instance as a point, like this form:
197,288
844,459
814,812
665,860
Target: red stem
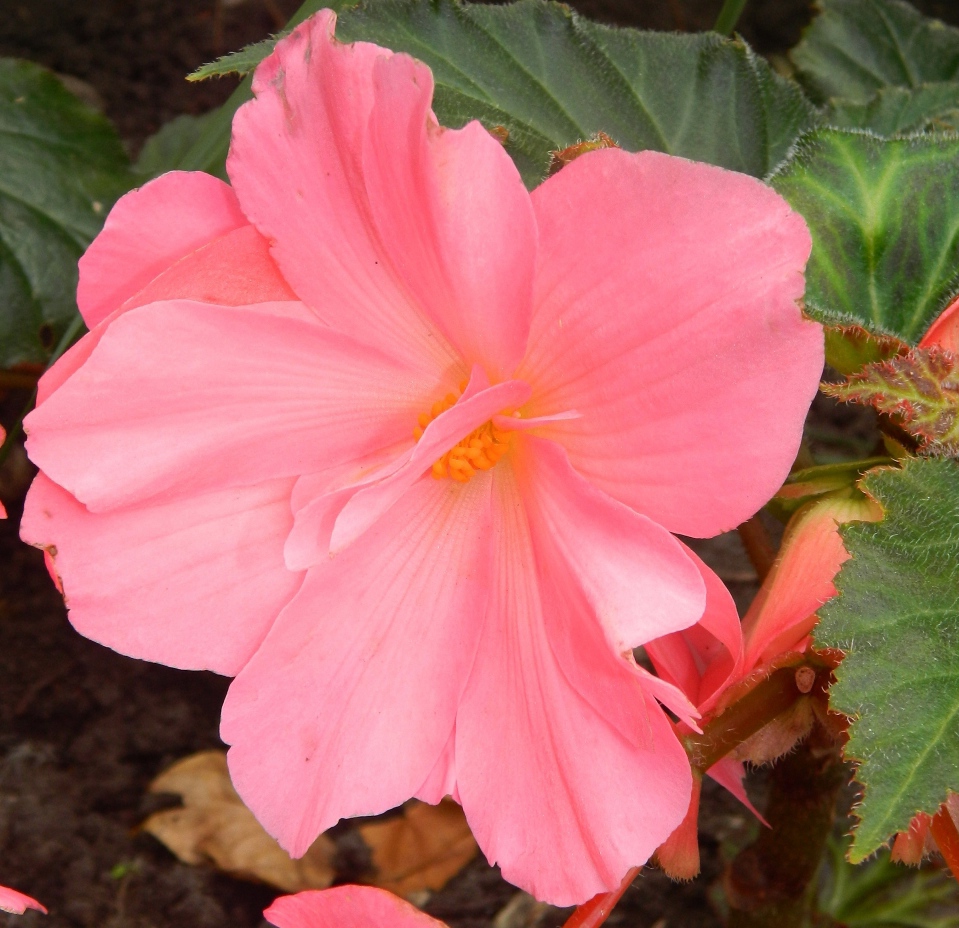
592,914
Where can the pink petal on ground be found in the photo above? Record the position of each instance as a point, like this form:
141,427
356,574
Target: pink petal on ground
702,659
296,164
351,699
453,216
195,583
801,578
553,792
183,397
148,230
346,907
944,331
450,427
665,313
17,903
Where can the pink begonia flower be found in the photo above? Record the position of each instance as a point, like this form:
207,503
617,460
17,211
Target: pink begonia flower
246,465
944,331
710,659
347,907
17,903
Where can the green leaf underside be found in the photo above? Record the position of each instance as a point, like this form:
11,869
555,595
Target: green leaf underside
855,47
900,110
897,619
884,217
61,168
920,388
552,78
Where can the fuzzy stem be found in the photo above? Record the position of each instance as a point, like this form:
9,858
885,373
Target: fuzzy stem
771,884
758,545
729,16
757,708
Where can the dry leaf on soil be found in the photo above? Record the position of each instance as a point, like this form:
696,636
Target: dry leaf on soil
423,848
214,826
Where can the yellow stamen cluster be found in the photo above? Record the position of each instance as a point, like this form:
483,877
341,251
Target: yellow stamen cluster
480,450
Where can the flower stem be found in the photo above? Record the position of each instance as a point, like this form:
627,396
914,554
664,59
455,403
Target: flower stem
593,913
758,545
771,884
756,709
729,16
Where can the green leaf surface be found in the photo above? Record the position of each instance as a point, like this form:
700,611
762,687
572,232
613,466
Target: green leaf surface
897,619
61,168
552,78
169,148
884,217
900,110
855,47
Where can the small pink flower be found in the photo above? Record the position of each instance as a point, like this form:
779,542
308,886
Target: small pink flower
17,903
401,445
347,907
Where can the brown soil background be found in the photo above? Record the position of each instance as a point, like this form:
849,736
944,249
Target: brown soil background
84,730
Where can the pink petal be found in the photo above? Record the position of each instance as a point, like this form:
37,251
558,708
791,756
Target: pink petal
183,396
296,164
638,578
453,216
346,907
944,331
441,781
801,579
148,230
730,774
233,270
703,659
440,435
17,903
195,583
665,312
552,791
351,699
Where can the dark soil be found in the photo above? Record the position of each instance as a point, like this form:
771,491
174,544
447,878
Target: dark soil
84,730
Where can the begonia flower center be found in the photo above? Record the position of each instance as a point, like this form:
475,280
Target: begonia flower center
480,450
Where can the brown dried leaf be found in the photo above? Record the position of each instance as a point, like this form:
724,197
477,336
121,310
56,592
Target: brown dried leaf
559,159
921,389
214,826
421,849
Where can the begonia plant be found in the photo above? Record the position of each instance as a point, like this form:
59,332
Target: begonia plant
399,384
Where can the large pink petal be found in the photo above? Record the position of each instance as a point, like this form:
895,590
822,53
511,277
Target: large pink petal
453,216
296,164
665,312
17,903
552,791
440,435
351,699
702,659
195,583
233,270
347,907
179,397
637,577
148,230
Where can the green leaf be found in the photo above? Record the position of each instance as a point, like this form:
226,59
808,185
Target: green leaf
552,78
855,47
900,110
897,619
61,169
168,149
884,217
921,389
242,62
